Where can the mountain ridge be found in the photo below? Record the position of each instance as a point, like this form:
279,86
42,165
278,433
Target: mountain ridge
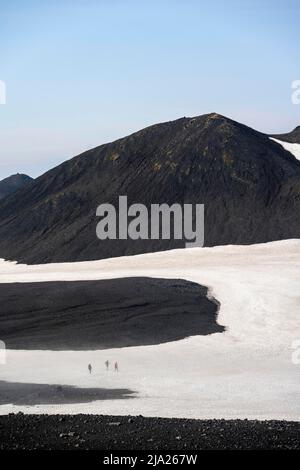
292,137
13,183
248,183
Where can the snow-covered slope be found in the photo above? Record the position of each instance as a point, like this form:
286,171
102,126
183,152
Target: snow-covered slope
245,372
292,148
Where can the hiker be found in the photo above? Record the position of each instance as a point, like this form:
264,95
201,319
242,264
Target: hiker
107,364
116,367
90,368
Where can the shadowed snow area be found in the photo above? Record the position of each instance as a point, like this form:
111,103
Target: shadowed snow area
245,372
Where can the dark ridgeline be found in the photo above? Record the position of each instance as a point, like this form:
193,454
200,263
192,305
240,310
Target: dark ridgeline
13,183
112,313
249,184
292,137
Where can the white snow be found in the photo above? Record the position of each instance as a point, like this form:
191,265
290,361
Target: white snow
246,372
292,148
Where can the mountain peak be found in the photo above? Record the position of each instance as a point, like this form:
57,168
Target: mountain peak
248,184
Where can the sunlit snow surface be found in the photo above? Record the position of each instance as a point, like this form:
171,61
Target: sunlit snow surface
246,372
292,148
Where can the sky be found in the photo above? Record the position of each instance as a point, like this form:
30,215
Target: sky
81,73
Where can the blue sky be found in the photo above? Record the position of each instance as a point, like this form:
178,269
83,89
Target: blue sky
81,73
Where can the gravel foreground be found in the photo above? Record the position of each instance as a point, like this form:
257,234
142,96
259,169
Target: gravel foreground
94,432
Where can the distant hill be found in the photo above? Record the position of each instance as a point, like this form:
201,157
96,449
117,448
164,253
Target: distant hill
292,137
13,183
250,186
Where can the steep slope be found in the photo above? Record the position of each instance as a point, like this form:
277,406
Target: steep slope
13,183
292,137
249,184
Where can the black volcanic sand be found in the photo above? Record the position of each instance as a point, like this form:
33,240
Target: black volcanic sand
85,315
39,394
58,432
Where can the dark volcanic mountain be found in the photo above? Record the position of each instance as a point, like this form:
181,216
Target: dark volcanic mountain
249,184
13,183
293,137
